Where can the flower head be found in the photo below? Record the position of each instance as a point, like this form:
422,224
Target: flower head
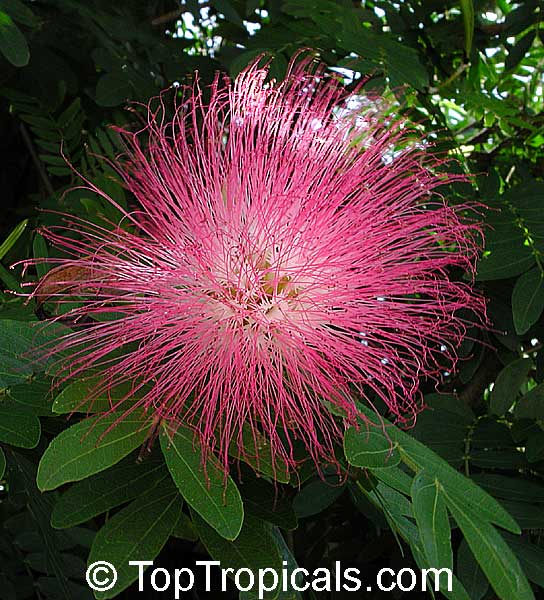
286,256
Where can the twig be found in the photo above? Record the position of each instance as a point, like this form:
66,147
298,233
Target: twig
459,71
35,159
167,17
175,14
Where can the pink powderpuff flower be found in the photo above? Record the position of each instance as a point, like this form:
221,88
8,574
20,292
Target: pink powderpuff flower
287,256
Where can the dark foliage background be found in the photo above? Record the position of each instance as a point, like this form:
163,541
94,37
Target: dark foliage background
469,70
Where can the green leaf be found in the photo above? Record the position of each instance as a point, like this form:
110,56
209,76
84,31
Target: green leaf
19,12
266,503
467,8
393,507
258,455
498,459
531,404
493,554
73,565
42,124
52,159
470,573
255,548
416,456
212,495
289,565
526,198
393,503
2,463
530,556
24,349
510,488
528,300
450,404
370,449
395,478
534,447
489,433
68,115
507,385
225,7
33,396
185,529
463,489
521,430
108,489
9,242
13,43
137,532
51,588
400,62
78,397
506,254
444,432
457,591
529,516
19,427
10,282
432,520
519,51
91,446
112,89
316,496
105,137
45,539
